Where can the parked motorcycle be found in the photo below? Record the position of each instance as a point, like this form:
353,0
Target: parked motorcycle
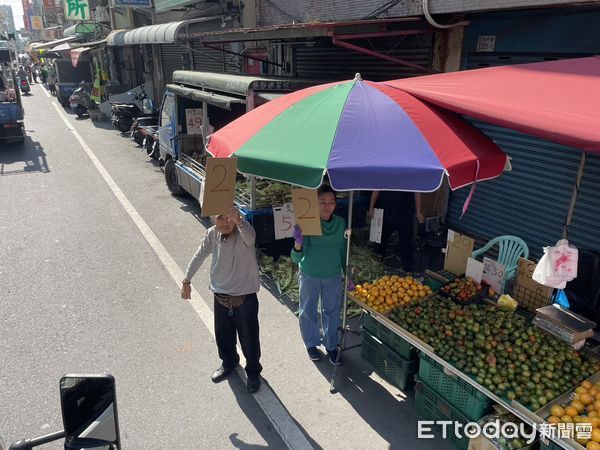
123,114
138,134
24,85
81,102
151,141
89,411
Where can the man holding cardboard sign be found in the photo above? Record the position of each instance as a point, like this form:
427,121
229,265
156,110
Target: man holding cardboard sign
322,261
219,186
235,281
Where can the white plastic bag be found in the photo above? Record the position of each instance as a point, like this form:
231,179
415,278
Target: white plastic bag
557,266
563,258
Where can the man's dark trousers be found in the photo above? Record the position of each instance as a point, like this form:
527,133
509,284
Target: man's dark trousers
404,227
244,323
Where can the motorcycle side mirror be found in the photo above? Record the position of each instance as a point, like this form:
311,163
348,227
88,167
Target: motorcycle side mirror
89,410
147,106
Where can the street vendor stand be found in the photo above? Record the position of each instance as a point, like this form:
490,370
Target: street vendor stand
351,130
331,129
449,370
516,97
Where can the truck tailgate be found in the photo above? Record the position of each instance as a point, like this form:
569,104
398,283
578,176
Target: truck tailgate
10,112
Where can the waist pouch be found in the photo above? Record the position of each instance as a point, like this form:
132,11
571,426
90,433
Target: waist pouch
230,301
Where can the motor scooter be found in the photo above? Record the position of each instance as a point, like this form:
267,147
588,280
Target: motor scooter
24,85
151,141
123,114
89,411
81,101
138,134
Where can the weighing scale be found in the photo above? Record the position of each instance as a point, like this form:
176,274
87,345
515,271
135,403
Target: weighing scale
564,324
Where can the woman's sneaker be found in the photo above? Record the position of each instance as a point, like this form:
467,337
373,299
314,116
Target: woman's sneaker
313,353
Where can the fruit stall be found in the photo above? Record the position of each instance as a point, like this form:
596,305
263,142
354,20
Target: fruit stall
470,353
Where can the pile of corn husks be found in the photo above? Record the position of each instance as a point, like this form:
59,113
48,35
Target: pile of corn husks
365,263
268,193
283,272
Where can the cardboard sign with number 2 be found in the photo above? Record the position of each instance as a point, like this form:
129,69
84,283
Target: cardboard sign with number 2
306,211
219,186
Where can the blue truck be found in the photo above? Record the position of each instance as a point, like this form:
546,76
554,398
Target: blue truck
11,109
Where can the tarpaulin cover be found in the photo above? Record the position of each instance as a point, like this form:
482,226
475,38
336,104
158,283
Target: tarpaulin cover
556,100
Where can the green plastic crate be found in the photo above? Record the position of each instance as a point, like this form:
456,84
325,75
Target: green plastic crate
387,363
460,394
550,446
431,406
433,283
389,338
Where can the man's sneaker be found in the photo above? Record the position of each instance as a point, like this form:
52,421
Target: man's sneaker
313,353
333,356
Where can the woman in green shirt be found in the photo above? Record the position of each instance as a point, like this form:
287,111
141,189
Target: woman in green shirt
321,260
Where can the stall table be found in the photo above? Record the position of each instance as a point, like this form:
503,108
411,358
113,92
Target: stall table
513,406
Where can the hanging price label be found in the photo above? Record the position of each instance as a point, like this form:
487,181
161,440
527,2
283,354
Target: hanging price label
376,226
193,120
284,221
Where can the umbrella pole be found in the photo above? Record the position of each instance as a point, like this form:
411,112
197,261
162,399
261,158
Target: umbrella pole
345,329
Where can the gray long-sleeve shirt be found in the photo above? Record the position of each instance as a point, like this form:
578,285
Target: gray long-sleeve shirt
233,268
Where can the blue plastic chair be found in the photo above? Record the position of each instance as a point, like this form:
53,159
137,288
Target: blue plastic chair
510,249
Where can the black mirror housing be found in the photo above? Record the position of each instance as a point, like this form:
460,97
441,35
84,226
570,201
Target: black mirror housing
89,409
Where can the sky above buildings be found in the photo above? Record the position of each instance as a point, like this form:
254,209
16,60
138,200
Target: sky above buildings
17,9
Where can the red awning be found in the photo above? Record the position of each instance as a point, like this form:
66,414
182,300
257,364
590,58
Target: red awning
556,100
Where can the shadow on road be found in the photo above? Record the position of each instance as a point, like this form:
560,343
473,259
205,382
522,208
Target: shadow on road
30,153
385,410
248,406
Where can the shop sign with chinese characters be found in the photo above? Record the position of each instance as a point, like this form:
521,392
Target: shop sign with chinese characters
77,10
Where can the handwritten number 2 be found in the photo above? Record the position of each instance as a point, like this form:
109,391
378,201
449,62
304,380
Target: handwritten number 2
217,187
304,214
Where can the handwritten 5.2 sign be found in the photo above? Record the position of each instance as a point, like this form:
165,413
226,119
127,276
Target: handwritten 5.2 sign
219,186
284,221
306,211
193,120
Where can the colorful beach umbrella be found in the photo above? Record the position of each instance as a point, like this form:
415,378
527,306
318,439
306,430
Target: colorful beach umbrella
364,135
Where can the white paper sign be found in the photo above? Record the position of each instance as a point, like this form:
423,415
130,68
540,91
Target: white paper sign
493,274
193,120
283,217
376,225
450,235
474,270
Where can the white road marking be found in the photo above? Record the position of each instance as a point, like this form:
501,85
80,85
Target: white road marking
45,91
265,397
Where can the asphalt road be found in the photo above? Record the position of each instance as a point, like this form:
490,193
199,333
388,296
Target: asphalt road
83,289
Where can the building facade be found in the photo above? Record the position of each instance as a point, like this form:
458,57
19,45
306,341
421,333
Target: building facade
7,19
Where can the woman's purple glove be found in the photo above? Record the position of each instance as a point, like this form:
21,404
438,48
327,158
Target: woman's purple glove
298,236
351,286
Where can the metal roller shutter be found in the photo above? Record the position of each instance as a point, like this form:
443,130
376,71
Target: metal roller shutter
211,60
326,61
532,201
584,231
172,60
